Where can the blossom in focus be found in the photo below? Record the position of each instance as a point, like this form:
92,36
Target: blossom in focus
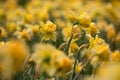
48,30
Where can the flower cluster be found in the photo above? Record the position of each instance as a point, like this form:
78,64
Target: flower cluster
59,39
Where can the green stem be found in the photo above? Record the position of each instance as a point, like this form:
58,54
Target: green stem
71,37
68,45
76,57
42,40
84,65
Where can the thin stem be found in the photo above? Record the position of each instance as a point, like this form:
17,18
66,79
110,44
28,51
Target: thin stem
68,45
71,37
84,65
25,62
76,57
62,46
42,40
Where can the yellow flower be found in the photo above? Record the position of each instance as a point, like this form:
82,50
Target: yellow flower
115,56
92,29
100,48
50,60
96,41
67,31
108,72
5,63
95,61
18,52
10,4
73,46
24,34
84,19
11,27
102,51
65,65
111,33
1,44
48,30
87,25
78,69
1,12
19,12
61,23
44,14
35,29
70,16
117,39
28,18
101,24
3,32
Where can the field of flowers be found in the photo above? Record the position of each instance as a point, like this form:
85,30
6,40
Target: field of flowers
59,40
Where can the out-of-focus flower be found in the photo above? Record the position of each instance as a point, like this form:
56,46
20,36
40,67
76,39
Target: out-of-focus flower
61,24
71,16
1,44
18,52
96,41
117,39
19,12
93,30
44,14
101,24
78,68
84,19
1,12
10,4
108,72
3,32
87,25
48,30
28,18
50,60
115,56
35,29
112,12
5,63
11,27
95,61
64,64
25,34
73,47
111,33
100,49
68,31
